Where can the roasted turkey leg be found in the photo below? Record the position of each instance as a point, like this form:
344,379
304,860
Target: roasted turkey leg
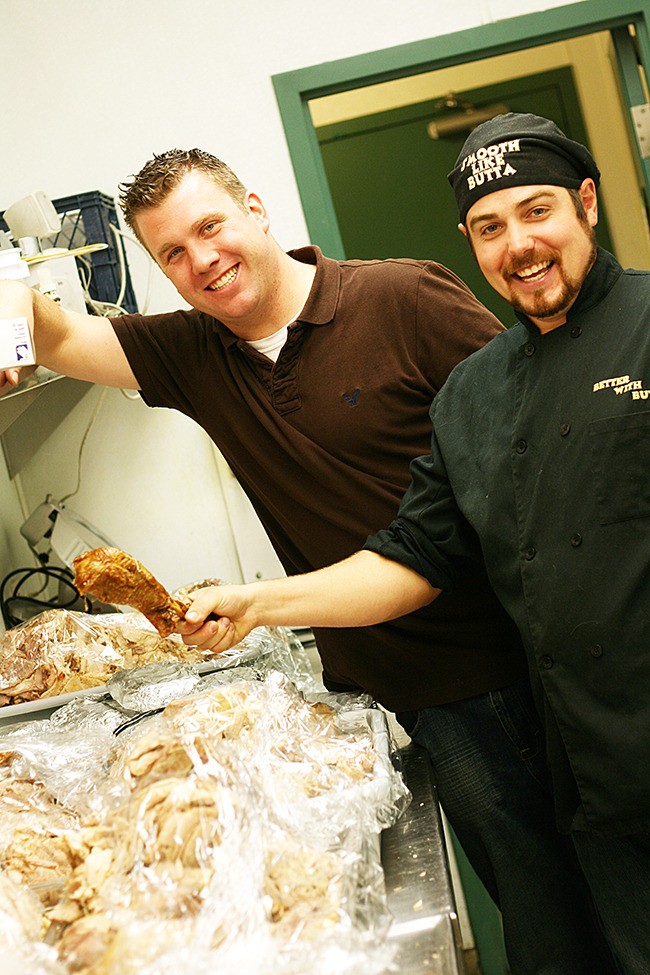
116,577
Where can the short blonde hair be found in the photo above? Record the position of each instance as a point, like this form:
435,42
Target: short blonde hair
164,172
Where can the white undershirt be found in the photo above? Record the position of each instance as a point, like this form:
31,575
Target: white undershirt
272,344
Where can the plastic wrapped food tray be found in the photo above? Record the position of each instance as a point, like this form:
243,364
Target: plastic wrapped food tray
85,650
234,829
11,713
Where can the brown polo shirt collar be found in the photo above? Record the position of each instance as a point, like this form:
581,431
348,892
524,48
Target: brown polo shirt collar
320,307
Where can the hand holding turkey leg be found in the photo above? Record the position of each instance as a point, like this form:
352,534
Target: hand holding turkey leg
360,591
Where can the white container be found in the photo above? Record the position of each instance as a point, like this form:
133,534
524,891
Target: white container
58,277
12,265
16,347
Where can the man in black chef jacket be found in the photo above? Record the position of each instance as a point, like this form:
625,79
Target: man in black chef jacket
540,464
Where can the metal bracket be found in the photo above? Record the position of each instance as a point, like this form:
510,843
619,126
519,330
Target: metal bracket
641,120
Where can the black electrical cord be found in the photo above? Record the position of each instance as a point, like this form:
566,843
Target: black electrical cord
9,600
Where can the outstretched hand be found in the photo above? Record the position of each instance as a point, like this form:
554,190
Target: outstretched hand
362,590
233,605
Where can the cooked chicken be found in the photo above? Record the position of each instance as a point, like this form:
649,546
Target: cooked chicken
150,756
85,943
38,659
38,859
306,888
222,712
25,801
116,577
219,835
61,651
21,916
100,944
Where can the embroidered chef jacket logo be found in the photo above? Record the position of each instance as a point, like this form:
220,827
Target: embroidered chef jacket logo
622,385
488,163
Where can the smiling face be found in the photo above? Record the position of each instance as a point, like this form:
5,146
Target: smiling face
218,254
534,248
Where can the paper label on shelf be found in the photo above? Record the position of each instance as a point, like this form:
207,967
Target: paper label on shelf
16,347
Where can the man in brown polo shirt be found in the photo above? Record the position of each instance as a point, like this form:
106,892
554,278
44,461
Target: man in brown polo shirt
314,378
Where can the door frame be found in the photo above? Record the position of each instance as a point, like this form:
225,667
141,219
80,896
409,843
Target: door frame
294,89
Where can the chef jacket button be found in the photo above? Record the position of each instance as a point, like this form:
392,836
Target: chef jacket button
576,539
529,349
596,650
565,429
521,446
530,553
576,332
546,662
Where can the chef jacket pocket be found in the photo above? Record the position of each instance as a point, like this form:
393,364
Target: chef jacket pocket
620,450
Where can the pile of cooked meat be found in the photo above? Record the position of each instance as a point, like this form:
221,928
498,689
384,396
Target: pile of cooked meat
61,651
196,844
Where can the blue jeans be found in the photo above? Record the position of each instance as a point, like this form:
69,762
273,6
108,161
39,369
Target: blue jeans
617,869
488,760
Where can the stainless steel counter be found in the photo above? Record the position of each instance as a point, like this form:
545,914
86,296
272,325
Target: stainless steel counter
418,882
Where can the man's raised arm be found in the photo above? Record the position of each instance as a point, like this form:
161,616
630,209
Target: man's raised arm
80,346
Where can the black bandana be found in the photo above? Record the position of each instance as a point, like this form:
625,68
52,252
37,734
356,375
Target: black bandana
518,150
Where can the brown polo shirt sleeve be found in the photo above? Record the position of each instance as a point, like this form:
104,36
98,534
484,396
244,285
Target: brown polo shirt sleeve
451,322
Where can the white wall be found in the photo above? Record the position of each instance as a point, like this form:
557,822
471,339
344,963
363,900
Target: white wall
90,89
152,474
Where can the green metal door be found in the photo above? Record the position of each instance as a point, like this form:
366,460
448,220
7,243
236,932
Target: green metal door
388,177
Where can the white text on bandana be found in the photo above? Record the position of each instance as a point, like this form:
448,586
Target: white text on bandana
488,163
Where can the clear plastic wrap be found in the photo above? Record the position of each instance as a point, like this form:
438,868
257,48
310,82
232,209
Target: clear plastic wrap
290,658
232,830
61,652
153,685
65,754
22,927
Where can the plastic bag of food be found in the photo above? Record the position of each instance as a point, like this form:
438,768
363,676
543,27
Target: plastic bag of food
62,652
66,753
232,831
22,928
